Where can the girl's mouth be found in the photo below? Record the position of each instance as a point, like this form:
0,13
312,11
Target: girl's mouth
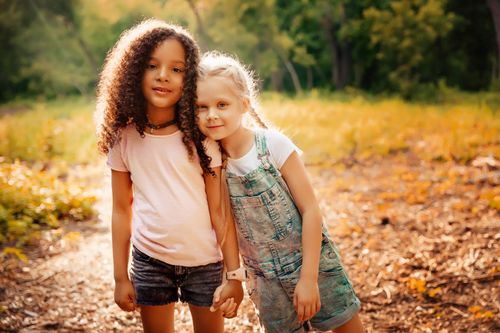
161,90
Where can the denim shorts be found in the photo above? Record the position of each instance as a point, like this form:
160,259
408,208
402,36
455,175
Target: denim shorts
159,283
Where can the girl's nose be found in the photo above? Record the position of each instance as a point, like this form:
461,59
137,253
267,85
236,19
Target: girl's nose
212,114
163,73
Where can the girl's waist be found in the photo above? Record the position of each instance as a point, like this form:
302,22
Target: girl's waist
273,267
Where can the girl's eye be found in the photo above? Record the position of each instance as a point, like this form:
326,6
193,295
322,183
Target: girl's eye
201,107
178,70
221,105
151,66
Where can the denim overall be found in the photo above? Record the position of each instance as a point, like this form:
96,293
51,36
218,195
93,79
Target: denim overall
269,228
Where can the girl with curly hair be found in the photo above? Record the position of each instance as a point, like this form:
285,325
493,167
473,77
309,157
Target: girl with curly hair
296,279
165,181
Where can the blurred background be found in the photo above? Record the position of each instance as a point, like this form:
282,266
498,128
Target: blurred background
414,48
395,104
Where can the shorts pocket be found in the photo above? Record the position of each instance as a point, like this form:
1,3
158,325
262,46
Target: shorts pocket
140,256
330,262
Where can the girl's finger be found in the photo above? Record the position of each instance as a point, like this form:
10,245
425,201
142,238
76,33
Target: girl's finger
300,313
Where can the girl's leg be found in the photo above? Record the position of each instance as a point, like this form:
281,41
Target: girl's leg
352,326
206,321
158,319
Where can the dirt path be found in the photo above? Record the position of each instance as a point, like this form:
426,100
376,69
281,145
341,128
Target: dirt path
420,242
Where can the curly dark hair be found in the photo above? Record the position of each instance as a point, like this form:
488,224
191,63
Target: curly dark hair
120,100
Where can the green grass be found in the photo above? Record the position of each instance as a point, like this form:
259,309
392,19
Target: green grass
61,130
332,128
328,127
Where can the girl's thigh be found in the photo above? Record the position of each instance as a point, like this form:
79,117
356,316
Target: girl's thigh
205,321
352,326
158,318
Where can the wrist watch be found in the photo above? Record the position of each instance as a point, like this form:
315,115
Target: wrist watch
239,274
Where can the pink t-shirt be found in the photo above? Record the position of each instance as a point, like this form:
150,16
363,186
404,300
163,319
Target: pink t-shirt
170,216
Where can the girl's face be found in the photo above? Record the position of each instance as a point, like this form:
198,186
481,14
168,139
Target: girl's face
220,108
164,75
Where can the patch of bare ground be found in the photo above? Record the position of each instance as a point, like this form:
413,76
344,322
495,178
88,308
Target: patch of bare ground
420,242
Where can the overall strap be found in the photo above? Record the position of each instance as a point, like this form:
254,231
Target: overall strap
264,157
260,143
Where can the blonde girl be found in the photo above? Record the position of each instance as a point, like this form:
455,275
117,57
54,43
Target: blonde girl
296,279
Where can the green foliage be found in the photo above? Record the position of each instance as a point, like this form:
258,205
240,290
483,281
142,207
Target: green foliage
32,200
54,131
402,35
57,47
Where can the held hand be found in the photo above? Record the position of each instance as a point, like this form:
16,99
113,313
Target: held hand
125,295
306,299
229,308
228,289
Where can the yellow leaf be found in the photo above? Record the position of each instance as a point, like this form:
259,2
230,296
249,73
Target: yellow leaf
388,196
474,309
487,314
433,292
72,237
15,251
418,285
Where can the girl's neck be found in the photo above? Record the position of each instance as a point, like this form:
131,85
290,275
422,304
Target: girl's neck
160,115
239,143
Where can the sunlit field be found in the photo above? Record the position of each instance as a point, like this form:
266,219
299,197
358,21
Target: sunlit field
327,129
330,130
58,131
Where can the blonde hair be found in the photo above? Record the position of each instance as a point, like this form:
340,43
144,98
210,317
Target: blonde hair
216,64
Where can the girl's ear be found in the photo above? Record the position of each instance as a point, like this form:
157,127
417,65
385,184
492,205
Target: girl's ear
246,104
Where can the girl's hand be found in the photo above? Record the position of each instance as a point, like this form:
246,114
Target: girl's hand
125,295
229,308
306,299
228,289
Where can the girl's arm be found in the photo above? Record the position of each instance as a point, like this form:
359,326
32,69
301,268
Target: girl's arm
121,222
223,224
306,298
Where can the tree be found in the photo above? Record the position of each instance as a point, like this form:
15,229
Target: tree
403,34
494,6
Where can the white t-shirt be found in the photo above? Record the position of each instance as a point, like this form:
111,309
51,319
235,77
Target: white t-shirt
170,216
280,147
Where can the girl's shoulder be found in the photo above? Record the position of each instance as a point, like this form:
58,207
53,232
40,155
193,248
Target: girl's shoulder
274,136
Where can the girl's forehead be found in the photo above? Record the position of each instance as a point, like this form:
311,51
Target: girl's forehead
171,49
219,85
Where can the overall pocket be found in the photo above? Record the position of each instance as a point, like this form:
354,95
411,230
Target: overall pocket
263,218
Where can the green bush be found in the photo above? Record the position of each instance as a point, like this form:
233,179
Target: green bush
32,200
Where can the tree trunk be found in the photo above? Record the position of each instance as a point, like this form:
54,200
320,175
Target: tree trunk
200,28
277,80
291,70
332,44
494,6
310,79
345,53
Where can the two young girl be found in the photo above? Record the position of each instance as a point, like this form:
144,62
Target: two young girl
296,278
165,187
167,195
